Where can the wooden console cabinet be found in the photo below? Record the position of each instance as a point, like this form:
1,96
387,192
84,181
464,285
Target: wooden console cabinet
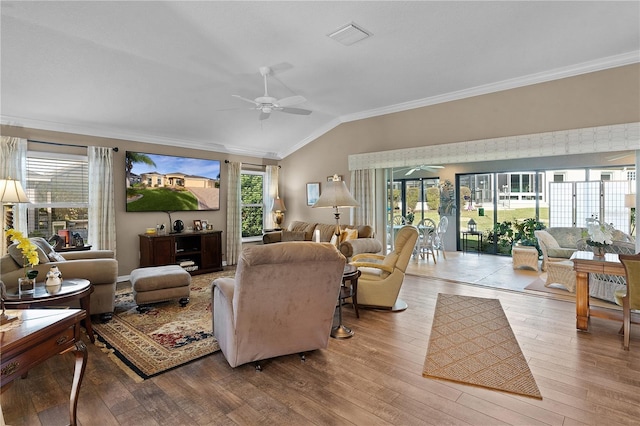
204,249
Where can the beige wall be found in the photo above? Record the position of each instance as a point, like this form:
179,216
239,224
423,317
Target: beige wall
129,225
606,97
595,99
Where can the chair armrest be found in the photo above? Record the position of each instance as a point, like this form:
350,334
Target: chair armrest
373,265
272,237
226,286
351,248
363,257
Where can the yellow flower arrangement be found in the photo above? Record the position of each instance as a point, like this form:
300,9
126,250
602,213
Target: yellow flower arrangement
28,249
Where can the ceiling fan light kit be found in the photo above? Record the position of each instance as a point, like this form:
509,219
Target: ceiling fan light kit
267,104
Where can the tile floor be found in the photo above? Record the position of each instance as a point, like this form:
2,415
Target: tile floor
483,269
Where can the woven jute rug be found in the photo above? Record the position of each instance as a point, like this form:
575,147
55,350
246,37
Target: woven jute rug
167,336
472,342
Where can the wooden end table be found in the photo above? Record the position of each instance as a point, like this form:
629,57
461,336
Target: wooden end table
35,336
71,289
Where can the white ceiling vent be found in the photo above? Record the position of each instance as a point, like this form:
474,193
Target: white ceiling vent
349,34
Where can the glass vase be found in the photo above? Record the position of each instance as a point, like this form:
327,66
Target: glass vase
598,251
26,286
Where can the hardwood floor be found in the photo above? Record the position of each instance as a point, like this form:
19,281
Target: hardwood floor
372,378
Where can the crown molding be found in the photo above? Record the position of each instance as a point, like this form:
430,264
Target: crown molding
313,136
528,80
134,137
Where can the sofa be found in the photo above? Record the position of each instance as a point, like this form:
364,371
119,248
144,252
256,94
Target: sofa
98,266
559,243
354,239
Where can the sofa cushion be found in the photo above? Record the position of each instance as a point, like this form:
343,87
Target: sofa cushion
560,252
327,231
293,236
305,227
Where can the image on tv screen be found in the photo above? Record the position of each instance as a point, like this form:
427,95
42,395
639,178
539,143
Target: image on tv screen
169,183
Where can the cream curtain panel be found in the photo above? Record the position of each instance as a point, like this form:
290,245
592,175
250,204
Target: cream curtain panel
234,220
272,173
102,212
13,163
363,190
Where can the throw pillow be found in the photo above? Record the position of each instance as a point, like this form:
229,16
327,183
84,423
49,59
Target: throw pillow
348,234
293,235
16,254
52,255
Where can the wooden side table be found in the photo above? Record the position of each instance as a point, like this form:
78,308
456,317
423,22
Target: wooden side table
35,336
71,289
351,274
525,256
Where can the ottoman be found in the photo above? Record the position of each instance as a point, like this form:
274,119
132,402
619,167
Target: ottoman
561,273
160,283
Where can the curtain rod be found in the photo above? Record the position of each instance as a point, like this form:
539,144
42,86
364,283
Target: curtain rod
115,148
252,164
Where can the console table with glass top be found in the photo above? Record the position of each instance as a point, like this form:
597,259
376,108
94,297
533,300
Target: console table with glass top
71,289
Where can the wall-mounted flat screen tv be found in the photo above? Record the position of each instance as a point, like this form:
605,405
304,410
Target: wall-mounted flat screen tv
169,183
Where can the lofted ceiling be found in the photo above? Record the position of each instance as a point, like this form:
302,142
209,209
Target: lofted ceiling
166,72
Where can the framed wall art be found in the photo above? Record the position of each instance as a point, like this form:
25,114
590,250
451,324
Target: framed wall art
313,193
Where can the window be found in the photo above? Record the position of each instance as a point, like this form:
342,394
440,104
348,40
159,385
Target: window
252,198
631,175
58,188
558,177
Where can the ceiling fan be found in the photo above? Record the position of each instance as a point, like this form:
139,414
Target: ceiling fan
267,104
425,168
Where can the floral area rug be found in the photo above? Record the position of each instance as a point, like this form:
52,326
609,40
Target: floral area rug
164,337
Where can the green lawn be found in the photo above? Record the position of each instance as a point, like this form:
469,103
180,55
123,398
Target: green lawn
161,199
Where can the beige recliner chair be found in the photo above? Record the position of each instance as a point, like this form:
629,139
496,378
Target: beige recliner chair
281,301
382,276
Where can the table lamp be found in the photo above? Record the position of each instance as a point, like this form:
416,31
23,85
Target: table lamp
336,195
278,210
11,192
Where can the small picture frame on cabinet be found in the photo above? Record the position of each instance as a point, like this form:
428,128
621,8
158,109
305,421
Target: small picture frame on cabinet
204,224
197,225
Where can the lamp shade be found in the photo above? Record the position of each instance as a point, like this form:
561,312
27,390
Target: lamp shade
336,194
11,191
278,205
630,201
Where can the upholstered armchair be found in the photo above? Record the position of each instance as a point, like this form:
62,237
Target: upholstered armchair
281,301
382,276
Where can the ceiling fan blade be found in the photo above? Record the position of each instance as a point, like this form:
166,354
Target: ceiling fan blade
298,111
264,115
291,100
246,100
410,171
